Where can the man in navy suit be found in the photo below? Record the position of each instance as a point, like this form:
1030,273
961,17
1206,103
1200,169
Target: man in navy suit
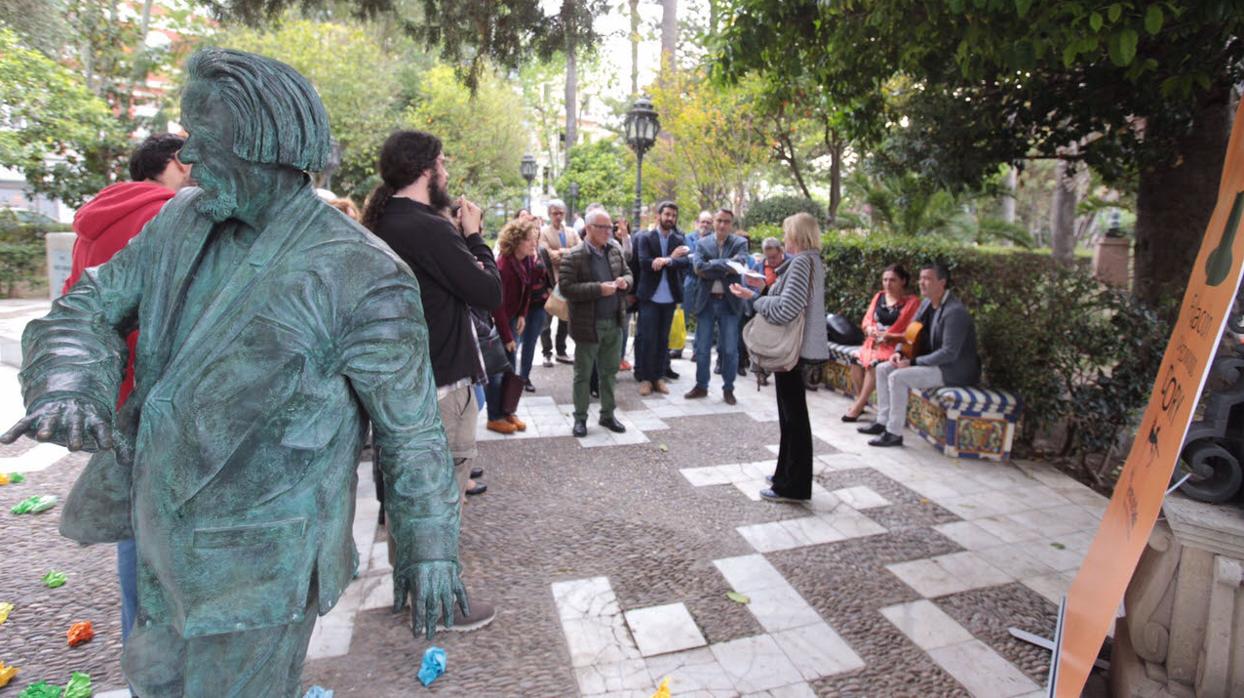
715,261
663,257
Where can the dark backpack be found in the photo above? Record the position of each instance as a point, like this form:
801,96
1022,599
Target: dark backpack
842,331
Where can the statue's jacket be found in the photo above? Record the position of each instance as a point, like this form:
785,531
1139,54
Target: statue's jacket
245,436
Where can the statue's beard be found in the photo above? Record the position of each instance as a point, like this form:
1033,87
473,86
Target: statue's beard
438,198
219,206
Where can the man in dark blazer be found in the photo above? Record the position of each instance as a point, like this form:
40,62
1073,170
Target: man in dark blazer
951,358
663,258
716,260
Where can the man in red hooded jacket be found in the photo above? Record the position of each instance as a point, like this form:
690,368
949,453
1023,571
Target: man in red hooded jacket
104,226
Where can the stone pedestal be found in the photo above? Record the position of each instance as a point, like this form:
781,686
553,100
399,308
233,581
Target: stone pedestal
1183,633
60,261
1111,262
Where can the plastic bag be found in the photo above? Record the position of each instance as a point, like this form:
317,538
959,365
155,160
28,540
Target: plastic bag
5,609
79,686
678,331
54,579
34,505
80,633
16,478
41,689
6,674
318,692
433,665
663,691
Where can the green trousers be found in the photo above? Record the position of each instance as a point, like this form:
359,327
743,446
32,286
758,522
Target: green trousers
605,355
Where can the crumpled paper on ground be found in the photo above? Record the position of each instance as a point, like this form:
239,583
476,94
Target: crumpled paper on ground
318,692
5,609
80,633
41,689
433,665
54,579
6,674
79,686
34,505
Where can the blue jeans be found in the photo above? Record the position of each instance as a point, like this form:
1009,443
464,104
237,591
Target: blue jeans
127,575
531,334
652,339
716,312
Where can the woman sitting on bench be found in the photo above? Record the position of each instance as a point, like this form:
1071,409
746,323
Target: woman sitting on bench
884,326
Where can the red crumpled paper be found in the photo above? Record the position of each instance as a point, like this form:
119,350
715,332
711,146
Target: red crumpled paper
80,633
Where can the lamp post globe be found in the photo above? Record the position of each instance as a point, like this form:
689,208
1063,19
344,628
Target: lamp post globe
640,128
527,168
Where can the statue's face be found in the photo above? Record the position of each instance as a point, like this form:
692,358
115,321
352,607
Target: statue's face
209,152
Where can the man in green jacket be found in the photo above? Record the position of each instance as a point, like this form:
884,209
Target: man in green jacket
593,278
275,330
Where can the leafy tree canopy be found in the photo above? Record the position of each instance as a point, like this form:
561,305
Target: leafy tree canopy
472,35
483,134
53,129
990,81
603,170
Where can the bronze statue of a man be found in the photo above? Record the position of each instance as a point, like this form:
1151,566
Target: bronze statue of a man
274,329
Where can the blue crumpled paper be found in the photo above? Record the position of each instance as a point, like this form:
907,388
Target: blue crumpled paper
433,665
318,692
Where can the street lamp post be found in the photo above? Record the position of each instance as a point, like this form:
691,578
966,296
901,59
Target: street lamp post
641,127
527,168
572,193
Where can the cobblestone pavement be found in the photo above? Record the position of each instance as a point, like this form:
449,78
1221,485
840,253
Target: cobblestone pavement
609,560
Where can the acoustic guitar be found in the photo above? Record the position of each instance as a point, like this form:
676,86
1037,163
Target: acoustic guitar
911,339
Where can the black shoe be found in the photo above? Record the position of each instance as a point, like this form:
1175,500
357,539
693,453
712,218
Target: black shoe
529,387
670,375
477,472
563,359
612,424
548,361
479,488
874,429
580,427
850,419
677,354
727,396
886,440
717,370
742,370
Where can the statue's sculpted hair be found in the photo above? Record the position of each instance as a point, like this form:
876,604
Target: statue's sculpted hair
278,118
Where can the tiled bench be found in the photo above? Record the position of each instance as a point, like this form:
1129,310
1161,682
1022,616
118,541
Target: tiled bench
836,373
966,422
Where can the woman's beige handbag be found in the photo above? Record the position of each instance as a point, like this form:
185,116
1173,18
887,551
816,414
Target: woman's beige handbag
557,306
774,347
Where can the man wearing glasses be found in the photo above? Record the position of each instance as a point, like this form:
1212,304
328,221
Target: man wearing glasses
593,278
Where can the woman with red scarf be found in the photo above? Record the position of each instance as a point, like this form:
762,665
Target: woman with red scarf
885,323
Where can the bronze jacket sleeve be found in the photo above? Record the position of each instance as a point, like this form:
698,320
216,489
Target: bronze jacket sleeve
385,357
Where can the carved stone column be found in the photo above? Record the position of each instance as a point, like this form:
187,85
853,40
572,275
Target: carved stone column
1183,632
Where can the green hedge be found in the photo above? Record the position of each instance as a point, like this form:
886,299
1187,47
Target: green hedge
775,209
1075,351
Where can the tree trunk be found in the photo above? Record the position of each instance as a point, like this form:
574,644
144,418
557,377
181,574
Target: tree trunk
669,32
836,149
1008,198
572,89
1174,203
1063,215
634,48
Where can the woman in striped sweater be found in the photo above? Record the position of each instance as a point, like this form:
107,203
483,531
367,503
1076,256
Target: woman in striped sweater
800,290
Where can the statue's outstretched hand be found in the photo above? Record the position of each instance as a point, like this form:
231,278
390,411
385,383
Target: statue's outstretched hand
69,417
432,587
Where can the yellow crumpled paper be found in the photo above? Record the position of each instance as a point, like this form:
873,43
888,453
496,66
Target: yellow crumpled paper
6,674
4,479
5,609
663,691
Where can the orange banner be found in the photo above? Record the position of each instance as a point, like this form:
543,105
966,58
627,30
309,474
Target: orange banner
1098,588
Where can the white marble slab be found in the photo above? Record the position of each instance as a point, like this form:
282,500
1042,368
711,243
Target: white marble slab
755,663
861,497
948,574
926,625
982,671
664,629
817,651
748,573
